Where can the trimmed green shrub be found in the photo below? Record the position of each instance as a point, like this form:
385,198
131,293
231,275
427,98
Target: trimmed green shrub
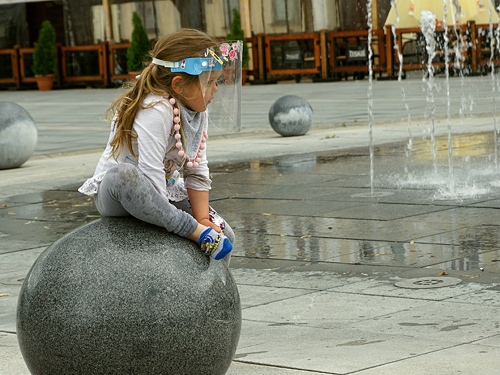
45,55
237,33
140,45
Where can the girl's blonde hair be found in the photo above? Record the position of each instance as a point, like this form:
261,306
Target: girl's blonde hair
183,44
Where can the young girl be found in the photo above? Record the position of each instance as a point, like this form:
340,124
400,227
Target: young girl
158,129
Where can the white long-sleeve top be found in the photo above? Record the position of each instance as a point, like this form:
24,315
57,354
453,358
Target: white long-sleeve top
156,154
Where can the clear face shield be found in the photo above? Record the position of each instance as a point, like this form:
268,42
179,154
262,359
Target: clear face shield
221,87
220,73
219,94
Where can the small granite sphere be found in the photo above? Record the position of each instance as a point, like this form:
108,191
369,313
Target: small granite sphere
291,115
120,296
18,135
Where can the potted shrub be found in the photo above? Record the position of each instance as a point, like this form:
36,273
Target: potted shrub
139,47
45,57
237,33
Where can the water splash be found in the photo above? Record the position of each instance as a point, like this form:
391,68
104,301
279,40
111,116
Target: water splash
491,65
471,182
461,193
460,59
495,135
474,170
465,168
428,27
400,79
448,100
370,93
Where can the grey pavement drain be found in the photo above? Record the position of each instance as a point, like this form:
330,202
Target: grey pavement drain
12,280
428,282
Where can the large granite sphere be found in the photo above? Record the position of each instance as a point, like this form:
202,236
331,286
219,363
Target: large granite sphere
291,115
18,135
119,296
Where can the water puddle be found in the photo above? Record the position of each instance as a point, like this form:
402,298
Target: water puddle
319,208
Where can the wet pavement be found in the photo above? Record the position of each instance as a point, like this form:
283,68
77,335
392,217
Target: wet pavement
318,254
320,208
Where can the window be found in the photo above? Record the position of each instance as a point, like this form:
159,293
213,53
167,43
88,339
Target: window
279,11
229,5
192,13
286,11
147,12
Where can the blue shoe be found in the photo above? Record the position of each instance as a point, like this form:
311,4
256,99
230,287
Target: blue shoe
214,244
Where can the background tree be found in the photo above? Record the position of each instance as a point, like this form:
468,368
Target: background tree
45,55
140,45
237,33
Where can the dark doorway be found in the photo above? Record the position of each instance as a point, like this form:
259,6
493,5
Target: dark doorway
36,13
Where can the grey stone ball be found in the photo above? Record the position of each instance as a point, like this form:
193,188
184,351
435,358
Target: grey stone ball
18,135
291,115
120,296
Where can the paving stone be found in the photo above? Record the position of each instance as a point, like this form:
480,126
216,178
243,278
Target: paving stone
301,246
462,216
373,286
8,306
474,238
390,231
10,350
335,351
292,207
238,368
324,309
10,245
462,359
490,341
445,320
416,254
490,296
263,295
376,211
17,263
485,261
309,280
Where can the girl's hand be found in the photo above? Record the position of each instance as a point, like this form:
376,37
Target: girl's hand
209,224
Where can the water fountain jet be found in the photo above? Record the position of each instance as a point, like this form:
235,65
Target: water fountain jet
370,94
428,28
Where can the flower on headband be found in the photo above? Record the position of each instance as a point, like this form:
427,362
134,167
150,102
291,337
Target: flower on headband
232,55
224,49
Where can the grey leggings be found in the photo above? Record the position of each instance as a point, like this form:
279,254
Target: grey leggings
125,191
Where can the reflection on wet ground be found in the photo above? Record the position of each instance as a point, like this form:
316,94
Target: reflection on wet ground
39,219
319,208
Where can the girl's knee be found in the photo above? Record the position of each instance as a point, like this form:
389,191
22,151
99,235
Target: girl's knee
123,174
124,170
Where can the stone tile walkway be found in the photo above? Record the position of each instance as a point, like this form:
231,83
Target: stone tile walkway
317,255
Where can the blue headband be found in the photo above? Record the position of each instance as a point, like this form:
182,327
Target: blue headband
192,66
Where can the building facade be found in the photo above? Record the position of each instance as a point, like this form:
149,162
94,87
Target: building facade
84,22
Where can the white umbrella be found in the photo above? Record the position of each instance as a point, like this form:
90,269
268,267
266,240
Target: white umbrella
409,11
